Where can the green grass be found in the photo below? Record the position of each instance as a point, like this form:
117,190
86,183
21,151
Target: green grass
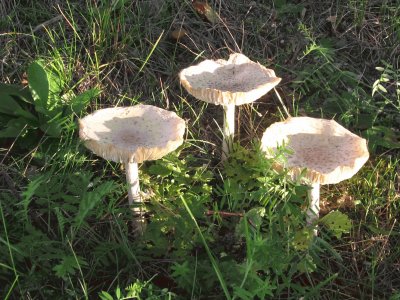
234,230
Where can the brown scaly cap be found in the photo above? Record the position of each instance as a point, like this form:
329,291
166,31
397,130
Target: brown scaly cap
328,151
134,134
235,81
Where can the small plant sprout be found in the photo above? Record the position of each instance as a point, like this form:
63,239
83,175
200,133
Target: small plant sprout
228,83
321,152
132,135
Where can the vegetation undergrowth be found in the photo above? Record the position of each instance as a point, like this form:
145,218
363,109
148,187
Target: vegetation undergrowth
235,230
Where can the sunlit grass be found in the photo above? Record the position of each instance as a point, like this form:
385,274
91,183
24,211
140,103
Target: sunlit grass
240,232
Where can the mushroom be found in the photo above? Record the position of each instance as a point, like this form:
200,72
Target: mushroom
228,83
327,151
132,135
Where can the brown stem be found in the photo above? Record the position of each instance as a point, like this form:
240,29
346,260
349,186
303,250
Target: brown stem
223,213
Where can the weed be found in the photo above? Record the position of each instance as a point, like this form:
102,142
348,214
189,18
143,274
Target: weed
214,231
53,110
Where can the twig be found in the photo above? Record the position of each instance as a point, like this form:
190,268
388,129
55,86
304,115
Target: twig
48,22
223,213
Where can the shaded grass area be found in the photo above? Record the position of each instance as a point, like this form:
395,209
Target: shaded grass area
65,229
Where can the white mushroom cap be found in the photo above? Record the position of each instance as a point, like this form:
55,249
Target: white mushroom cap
328,151
133,134
236,81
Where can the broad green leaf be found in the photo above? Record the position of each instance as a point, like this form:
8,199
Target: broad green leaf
303,239
16,90
30,118
10,89
39,86
8,105
56,84
337,222
81,101
14,128
51,129
54,126
54,102
105,296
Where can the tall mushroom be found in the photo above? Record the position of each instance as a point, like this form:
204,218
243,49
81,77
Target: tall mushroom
132,135
327,151
228,83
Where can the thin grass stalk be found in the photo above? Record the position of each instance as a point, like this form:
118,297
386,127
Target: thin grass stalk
210,255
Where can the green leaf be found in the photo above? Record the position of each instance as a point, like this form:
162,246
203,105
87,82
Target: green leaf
31,119
68,266
105,296
9,94
39,86
160,170
303,239
16,90
255,216
55,84
306,265
337,222
382,136
54,102
52,129
81,101
90,200
27,195
8,105
365,120
118,292
382,88
14,128
10,89
182,273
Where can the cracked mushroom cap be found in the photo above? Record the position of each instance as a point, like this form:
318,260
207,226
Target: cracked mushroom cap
235,81
329,152
133,134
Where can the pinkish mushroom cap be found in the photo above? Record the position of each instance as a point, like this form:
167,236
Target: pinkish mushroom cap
235,81
329,152
132,134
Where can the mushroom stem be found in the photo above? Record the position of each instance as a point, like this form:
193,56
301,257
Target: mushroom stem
228,130
313,210
135,201
132,178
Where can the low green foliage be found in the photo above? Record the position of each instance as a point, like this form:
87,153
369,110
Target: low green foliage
138,290
43,106
337,222
218,231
